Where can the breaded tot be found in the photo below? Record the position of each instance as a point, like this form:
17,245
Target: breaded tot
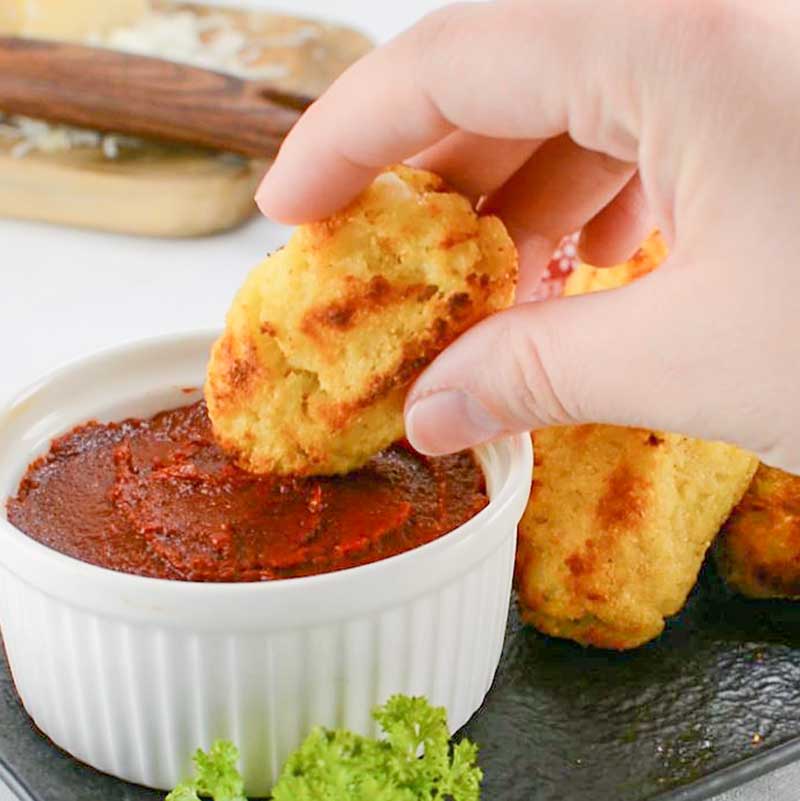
758,552
326,335
585,278
617,526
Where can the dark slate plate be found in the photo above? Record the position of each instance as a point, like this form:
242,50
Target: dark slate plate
714,703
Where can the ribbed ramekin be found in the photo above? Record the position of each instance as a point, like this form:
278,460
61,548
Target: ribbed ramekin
131,674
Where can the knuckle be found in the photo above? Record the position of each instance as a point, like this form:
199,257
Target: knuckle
432,41
445,37
538,401
612,167
710,17
441,27
691,27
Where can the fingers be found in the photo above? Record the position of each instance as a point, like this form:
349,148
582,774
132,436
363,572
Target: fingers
541,80
475,165
374,115
610,357
354,130
558,191
614,234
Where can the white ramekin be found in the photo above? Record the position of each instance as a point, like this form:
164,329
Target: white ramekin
131,674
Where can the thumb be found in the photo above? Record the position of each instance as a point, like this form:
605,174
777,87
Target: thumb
626,357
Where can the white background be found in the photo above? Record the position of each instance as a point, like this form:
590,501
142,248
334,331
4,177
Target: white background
65,293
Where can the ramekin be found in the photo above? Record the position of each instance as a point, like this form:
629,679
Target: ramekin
130,675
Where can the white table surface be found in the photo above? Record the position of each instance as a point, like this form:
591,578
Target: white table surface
68,292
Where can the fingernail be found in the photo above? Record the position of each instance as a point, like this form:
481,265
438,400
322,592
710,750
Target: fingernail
262,196
449,421
268,190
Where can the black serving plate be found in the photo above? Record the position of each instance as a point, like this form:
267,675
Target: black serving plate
713,703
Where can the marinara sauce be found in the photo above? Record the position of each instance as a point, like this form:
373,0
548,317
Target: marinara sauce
159,498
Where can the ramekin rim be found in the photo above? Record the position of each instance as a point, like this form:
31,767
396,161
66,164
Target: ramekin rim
515,481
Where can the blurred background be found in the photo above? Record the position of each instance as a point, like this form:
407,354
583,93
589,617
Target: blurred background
87,289
381,20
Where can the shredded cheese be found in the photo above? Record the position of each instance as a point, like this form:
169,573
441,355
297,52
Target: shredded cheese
210,41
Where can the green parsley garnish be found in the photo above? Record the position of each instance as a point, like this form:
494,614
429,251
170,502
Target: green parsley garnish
415,762
216,776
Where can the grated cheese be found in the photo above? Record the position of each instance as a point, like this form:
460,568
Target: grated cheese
209,41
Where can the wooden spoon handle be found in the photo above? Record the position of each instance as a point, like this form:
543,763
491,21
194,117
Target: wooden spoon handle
106,90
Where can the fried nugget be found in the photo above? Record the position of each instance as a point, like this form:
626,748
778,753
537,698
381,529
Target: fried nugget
758,552
585,278
617,526
326,335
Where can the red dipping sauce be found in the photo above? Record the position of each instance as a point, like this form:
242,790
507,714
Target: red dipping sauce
159,498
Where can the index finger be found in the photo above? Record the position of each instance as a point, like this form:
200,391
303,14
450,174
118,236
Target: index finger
515,70
352,132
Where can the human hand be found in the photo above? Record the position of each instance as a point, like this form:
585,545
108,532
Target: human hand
611,116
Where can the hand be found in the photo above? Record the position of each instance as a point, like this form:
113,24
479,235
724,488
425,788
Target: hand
611,116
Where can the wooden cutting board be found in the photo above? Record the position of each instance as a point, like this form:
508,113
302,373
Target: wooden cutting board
171,190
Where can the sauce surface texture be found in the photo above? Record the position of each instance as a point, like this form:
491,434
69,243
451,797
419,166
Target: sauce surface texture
159,498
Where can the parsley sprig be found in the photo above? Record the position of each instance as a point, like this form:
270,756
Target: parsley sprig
415,761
